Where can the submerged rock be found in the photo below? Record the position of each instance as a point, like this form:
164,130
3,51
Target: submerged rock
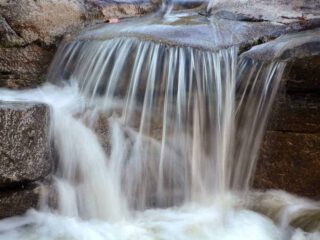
284,208
25,143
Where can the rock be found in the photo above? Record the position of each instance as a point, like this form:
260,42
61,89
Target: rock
42,20
280,11
304,75
17,201
283,207
8,37
25,143
24,66
31,30
296,112
289,47
290,161
123,8
47,21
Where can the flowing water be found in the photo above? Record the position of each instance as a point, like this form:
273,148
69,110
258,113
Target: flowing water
155,141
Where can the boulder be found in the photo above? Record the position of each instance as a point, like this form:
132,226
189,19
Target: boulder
17,201
42,20
30,32
25,143
24,66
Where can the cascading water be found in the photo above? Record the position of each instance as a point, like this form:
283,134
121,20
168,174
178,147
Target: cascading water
155,141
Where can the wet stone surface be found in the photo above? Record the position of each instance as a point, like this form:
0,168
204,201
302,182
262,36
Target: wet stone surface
17,201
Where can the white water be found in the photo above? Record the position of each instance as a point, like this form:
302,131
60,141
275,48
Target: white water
223,219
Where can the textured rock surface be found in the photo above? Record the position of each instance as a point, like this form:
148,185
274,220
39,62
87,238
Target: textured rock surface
290,155
42,20
8,37
290,161
280,11
24,137
23,66
304,75
124,8
17,201
296,112
31,30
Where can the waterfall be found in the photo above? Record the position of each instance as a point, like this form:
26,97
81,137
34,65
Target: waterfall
154,141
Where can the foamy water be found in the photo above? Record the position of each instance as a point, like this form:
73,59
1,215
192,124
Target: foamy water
222,219
185,223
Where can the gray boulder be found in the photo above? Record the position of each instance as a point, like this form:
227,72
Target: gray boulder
25,143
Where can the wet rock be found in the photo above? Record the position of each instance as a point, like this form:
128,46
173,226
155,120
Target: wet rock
296,112
304,75
25,143
24,66
289,47
17,201
281,206
290,161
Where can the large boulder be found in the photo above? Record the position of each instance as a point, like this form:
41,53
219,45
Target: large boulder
30,32
25,143
42,20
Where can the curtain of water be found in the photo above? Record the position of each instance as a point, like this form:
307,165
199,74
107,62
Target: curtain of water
176,130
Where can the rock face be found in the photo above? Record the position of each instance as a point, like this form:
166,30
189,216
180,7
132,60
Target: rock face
25,158
30,32
290,155
25,143
16,201
23,66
